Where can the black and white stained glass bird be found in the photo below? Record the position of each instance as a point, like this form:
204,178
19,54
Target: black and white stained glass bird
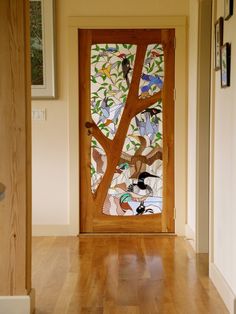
140,188
126,68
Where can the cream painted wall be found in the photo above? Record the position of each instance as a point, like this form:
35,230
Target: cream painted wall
224,181
53,191
50,165
126,8
192,116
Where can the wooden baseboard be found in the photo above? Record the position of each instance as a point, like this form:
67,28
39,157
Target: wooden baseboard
223,288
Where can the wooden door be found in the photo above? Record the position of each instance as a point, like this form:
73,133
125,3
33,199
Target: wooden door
126,130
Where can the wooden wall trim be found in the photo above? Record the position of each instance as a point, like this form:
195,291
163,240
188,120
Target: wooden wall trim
15,148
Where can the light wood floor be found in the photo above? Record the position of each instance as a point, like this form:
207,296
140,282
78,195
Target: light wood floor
125,274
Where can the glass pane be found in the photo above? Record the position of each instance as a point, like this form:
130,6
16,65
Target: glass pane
153,71
98,164
136,187
111,74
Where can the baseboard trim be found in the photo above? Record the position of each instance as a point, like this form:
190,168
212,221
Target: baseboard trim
223,288
190,236
53,230
32,301
15,304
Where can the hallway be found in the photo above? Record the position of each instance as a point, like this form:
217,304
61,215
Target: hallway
121,274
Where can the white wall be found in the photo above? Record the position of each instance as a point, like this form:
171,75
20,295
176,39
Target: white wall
223,156
224,183
223,173
51,161
192,117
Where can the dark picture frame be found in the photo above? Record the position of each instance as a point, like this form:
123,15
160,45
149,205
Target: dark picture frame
219,25
228,8
225,65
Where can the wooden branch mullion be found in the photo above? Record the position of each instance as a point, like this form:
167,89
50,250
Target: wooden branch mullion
115,150
101,138
144,103
137,72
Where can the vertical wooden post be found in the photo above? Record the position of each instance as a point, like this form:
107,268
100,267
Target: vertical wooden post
15,149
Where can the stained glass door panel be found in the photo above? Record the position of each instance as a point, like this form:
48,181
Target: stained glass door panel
126,123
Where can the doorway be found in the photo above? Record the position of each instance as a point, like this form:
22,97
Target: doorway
126,88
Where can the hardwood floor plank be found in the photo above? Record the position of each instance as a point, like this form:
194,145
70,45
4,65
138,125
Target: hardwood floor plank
123,274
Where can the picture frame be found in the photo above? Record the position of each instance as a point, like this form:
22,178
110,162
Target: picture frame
225,65
42,42
219,25
228,8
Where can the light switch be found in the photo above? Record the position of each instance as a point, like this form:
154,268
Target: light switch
39,114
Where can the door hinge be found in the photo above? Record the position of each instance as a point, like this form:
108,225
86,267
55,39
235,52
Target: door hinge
174,94
174,213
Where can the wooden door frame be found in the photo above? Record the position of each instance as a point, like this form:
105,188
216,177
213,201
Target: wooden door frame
179,24
15,168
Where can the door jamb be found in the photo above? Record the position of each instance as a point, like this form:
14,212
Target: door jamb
203,126
179,23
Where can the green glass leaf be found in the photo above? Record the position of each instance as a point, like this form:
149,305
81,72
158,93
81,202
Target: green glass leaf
100,88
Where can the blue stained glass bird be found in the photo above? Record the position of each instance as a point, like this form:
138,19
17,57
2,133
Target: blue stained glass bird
153,80
111,49
147,127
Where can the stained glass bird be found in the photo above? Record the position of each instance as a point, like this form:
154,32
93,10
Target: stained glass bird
153,80
121,55
126,69
111,49
152,111
105,110
147,127
137,192
113,92
148,61
114,113
106,71
140,187
103,53
155,53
